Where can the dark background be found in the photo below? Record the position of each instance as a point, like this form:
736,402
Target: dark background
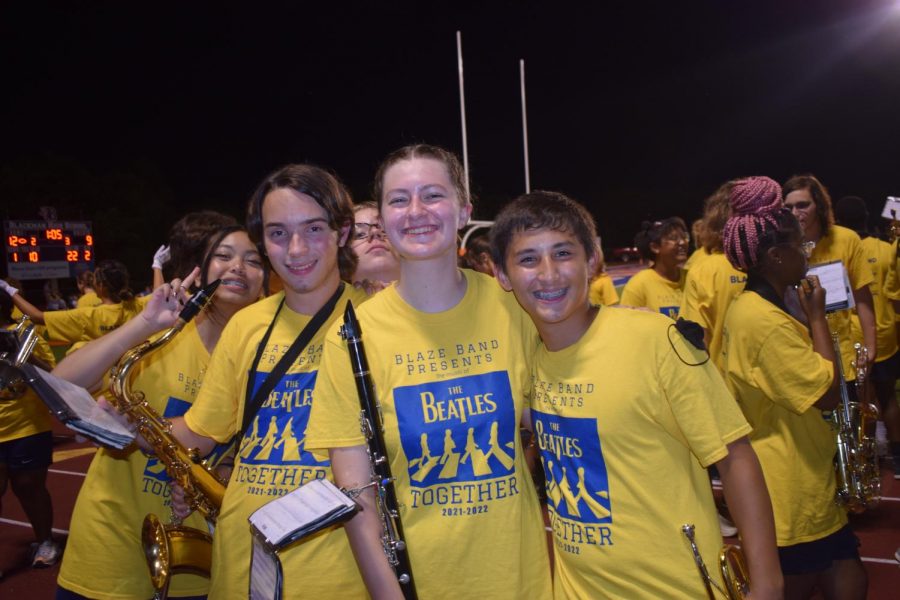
129,114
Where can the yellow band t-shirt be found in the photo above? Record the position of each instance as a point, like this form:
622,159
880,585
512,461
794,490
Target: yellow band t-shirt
651,290
103,557
451,387
777,377
272,459
627,420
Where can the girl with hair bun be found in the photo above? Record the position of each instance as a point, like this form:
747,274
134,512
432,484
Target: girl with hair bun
784,376
659,288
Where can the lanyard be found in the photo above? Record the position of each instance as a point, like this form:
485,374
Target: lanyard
255,401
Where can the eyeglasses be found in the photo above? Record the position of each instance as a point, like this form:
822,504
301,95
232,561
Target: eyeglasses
364,231
805,247
676,238
802,205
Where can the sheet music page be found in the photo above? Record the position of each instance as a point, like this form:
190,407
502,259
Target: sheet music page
833,277
82,404
264,573
308,504
891,209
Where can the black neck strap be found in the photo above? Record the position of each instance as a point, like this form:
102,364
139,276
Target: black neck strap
756,283
255,400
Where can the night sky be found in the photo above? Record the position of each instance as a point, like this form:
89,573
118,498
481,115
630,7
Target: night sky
131,113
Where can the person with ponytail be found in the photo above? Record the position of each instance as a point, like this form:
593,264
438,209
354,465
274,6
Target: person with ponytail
659,288
78,326
88,297
783,375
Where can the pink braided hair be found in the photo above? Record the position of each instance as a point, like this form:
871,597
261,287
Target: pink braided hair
754,202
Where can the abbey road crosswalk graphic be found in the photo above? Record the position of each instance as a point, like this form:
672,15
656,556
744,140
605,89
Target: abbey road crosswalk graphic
460,429
277,433
575,471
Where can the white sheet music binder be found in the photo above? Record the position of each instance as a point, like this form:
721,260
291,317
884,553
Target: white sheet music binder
76,408
833,277
891,209
283,521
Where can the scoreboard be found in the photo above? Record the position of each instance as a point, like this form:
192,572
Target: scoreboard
48,249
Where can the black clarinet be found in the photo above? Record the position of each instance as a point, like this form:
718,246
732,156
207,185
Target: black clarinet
392,537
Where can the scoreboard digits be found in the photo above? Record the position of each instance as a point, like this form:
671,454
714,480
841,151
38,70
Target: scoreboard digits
48,250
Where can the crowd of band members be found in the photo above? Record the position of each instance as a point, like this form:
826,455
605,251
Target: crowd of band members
628,408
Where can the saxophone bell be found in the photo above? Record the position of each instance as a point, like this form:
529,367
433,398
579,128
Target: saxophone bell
174,549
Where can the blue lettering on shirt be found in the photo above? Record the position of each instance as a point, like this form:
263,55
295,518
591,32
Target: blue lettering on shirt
277,434
574,468
461,429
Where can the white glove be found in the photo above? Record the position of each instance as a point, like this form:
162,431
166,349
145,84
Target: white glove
8,288
161,257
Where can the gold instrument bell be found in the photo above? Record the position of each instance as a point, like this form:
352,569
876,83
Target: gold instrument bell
732,567
174,549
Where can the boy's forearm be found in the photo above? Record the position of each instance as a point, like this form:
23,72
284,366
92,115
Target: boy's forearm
750,506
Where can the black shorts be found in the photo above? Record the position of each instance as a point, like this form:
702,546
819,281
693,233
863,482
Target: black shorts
30,452
817,555
886,370
64,594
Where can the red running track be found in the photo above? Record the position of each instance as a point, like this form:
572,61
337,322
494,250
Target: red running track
879,529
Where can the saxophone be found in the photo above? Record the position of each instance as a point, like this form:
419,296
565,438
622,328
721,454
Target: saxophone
12,382
170,548
856,462
732,566
392,537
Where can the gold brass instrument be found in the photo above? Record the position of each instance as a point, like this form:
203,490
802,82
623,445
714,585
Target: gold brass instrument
856,462
170,548
12,381
732,566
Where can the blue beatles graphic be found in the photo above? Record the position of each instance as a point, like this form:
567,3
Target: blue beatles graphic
176,407
277,434
577,483
459,429
670,311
